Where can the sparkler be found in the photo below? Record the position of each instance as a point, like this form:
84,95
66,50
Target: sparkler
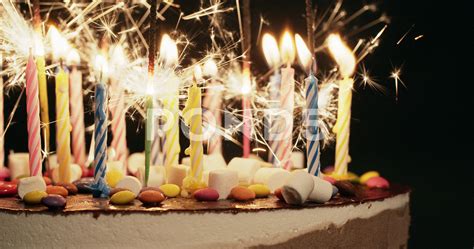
88,20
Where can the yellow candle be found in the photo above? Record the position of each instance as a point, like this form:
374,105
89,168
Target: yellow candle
171,145
63,125
346,61
192,114
342,127
43,97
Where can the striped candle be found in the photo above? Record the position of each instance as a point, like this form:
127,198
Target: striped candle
149,135
156,158
43,98
192,114
284,149
77,118
63,125
119,128
342,127
2,142
100,137
312,130
33,118
274,104
213,103
171,147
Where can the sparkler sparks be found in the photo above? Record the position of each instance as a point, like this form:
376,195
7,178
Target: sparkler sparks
88,22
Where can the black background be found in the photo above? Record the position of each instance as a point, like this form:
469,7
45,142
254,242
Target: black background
423,139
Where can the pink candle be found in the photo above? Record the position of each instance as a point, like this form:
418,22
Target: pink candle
33,118
2,150
77,113
117,110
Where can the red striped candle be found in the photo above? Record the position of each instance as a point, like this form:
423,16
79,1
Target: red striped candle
33,118
117,110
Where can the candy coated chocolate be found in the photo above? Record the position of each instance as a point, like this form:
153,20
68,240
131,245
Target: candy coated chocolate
8,189
240,193
278,193
260,190
151,197
71,188
34,197
83,185
206,194
170,190
377,182
57,190
54,201
123,197
346,188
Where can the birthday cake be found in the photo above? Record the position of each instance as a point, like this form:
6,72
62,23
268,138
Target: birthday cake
62,197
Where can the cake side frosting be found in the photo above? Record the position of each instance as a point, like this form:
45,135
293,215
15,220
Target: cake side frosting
185,229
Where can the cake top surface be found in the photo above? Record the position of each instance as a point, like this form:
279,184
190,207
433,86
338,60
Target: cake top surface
86,203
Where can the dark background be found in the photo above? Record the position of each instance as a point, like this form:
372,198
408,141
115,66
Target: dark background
423,139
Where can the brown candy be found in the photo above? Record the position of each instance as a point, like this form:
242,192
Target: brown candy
151,188
151,197
57,190
346,188
71,188
240,193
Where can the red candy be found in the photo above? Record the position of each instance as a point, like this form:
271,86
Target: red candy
377,182
206,194
8,189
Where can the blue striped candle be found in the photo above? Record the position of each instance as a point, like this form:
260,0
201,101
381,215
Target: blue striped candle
99,187
312,130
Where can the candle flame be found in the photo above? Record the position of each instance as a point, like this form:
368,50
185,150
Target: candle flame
168,51
197,73
59,44
246,84
342,55
304,55
210,68
39,48
117,55
271,51
287,48
100,64
73,57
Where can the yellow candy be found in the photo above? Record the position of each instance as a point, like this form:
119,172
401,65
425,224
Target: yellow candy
170,190
260,190
367,175
34,197
113,176
349,177
122,197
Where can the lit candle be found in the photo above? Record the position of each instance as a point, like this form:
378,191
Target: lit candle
346,61
171,147
43,87
213,104
247,112
77,111
33,119
63,124
272,56
313,151
99,186
3,169
117,107
192,114
287,101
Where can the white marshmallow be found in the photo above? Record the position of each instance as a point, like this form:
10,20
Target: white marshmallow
322,191
298,187
177,174
156,178
18,165
209,162
29,184
246,168
75,172
135,162
131,183
223,180
272,177
297,158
